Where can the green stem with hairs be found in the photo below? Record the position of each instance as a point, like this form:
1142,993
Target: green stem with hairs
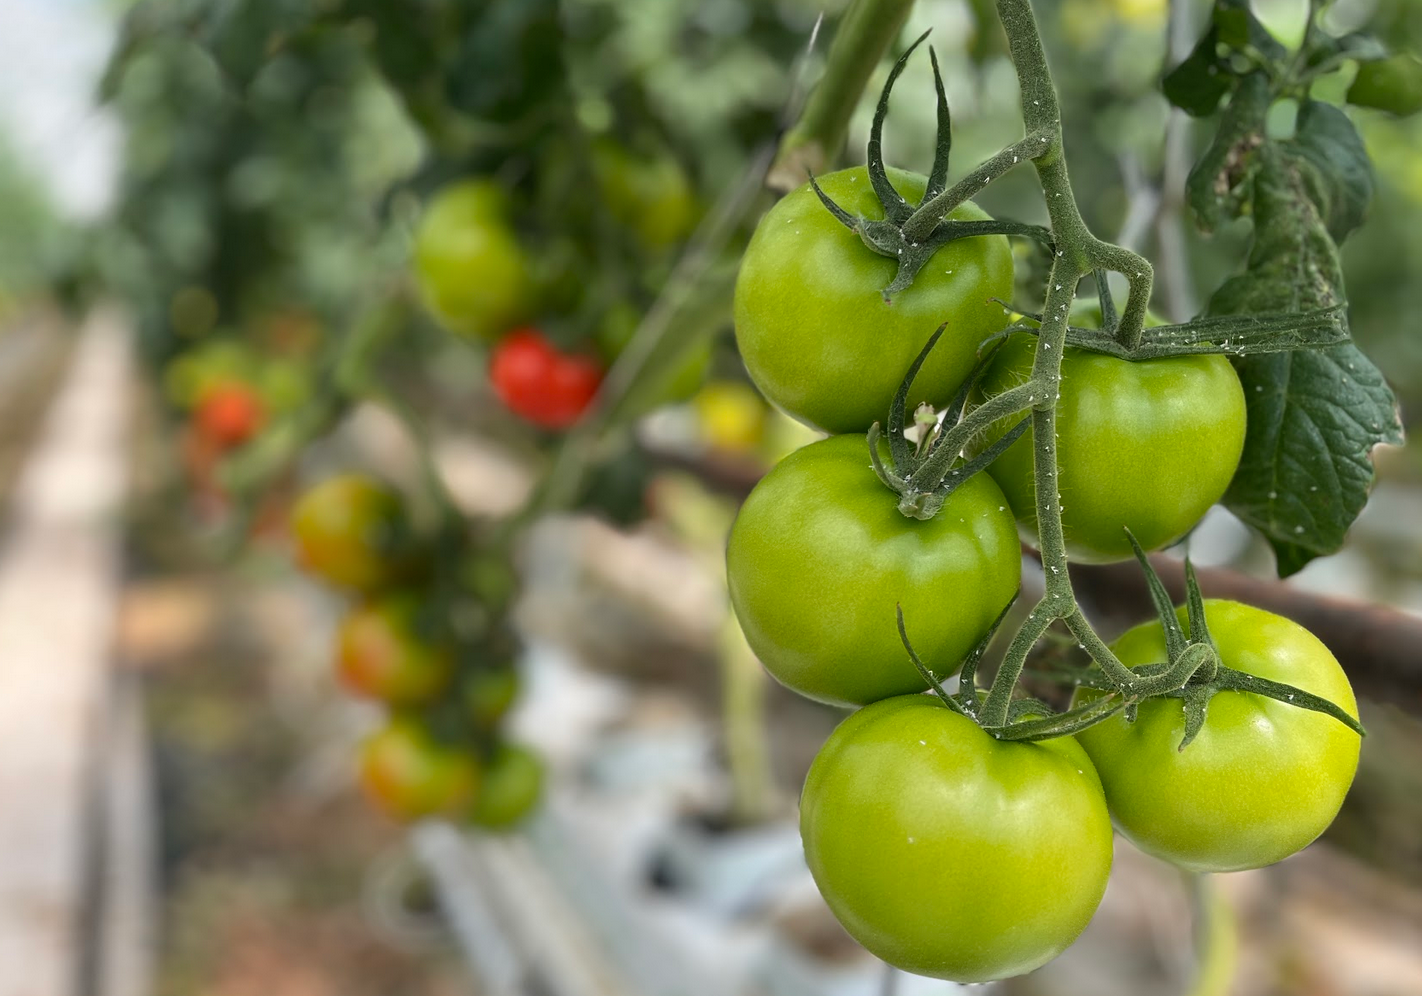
1078,253
865,33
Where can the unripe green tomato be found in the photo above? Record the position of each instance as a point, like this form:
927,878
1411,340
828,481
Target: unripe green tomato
949,853
351,532
490,692
472,271
1260,780
1147,445
652,196
381,653
820,556
814,330
410,775
513,784
285,385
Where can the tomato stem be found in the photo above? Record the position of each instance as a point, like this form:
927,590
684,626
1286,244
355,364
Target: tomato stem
865,32
925,218
1077,254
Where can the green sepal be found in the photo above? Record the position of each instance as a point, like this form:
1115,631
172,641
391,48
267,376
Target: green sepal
887,236
1197,703
928,676
966,701
1228,679
968,673
896,209
1175,641
1199,627
924,480
1060,724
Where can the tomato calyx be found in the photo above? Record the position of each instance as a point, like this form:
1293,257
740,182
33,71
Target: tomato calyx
912,234
1193,673
1028,719
1193,670
925,474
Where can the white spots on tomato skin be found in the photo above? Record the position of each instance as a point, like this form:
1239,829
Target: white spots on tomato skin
911,840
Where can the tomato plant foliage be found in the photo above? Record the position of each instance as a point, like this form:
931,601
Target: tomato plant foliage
1313,416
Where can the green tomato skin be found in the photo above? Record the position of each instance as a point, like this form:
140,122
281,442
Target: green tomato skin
811,322
1148,445
512,786
652,196
951,854
819,555
352,532
473,273
1261,780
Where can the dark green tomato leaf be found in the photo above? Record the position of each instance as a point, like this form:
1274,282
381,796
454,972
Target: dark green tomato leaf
1393,85
244,37
1242,31
1324,53
1313,416
1342,175
511,59
1201,81
1219,182
1313,419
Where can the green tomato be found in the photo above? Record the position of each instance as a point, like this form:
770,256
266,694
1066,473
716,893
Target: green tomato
513,784
381,653
1146,445
949,853
489,693
654,197
471,269
820,555
352,532
1261,779
285,385
408,774
814,330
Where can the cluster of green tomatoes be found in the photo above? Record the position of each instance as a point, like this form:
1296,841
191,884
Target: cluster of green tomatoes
441,751
942,848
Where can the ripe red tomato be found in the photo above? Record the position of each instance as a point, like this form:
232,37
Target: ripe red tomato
228,414
548,388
